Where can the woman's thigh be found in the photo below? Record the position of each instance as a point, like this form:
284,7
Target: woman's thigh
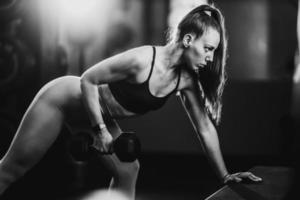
38,130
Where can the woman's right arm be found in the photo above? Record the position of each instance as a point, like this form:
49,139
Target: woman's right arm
118,67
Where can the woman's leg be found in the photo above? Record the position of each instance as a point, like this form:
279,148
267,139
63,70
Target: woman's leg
38,130
124,173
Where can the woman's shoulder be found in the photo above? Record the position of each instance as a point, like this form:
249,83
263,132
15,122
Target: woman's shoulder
187,81
141,55
140,52
190,84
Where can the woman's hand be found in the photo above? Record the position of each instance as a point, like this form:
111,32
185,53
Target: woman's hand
103,141
241,176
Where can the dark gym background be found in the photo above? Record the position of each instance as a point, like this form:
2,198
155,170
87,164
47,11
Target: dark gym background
42,40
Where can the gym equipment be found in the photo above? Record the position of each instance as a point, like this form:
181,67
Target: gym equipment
127,147
276,184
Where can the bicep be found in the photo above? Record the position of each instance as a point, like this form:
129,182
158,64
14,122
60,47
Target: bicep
115,68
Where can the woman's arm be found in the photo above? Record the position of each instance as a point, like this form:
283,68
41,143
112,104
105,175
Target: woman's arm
205,130
207,134
109,70
119,67
112,69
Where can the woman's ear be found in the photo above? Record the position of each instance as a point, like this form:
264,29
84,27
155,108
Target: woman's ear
187,40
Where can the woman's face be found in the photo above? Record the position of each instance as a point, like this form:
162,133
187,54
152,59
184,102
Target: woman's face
201,50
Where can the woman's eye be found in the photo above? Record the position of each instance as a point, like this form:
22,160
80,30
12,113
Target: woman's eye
207,49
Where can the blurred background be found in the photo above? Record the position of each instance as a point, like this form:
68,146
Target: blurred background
42,40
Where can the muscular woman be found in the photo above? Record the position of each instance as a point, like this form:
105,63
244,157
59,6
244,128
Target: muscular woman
131,84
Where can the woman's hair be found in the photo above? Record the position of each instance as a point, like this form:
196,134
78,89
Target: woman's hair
211,78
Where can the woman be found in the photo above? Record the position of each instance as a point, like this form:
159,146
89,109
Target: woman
129,84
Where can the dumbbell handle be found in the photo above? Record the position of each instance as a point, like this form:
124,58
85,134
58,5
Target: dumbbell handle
93,149
127,147
126,152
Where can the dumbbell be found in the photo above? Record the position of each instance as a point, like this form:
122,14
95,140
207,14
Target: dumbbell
127,147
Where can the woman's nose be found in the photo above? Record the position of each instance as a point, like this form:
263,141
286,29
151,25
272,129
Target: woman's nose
209,58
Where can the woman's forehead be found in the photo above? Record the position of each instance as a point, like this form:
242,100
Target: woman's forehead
211,36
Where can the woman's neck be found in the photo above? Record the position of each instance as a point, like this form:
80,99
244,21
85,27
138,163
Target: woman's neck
172,55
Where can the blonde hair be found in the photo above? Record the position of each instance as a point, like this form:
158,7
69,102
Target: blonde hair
211,79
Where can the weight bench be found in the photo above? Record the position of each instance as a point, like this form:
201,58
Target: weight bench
276,185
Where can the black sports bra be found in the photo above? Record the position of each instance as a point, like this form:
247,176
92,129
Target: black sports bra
136,97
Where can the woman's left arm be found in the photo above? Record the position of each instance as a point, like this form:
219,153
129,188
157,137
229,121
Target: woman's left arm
207,134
